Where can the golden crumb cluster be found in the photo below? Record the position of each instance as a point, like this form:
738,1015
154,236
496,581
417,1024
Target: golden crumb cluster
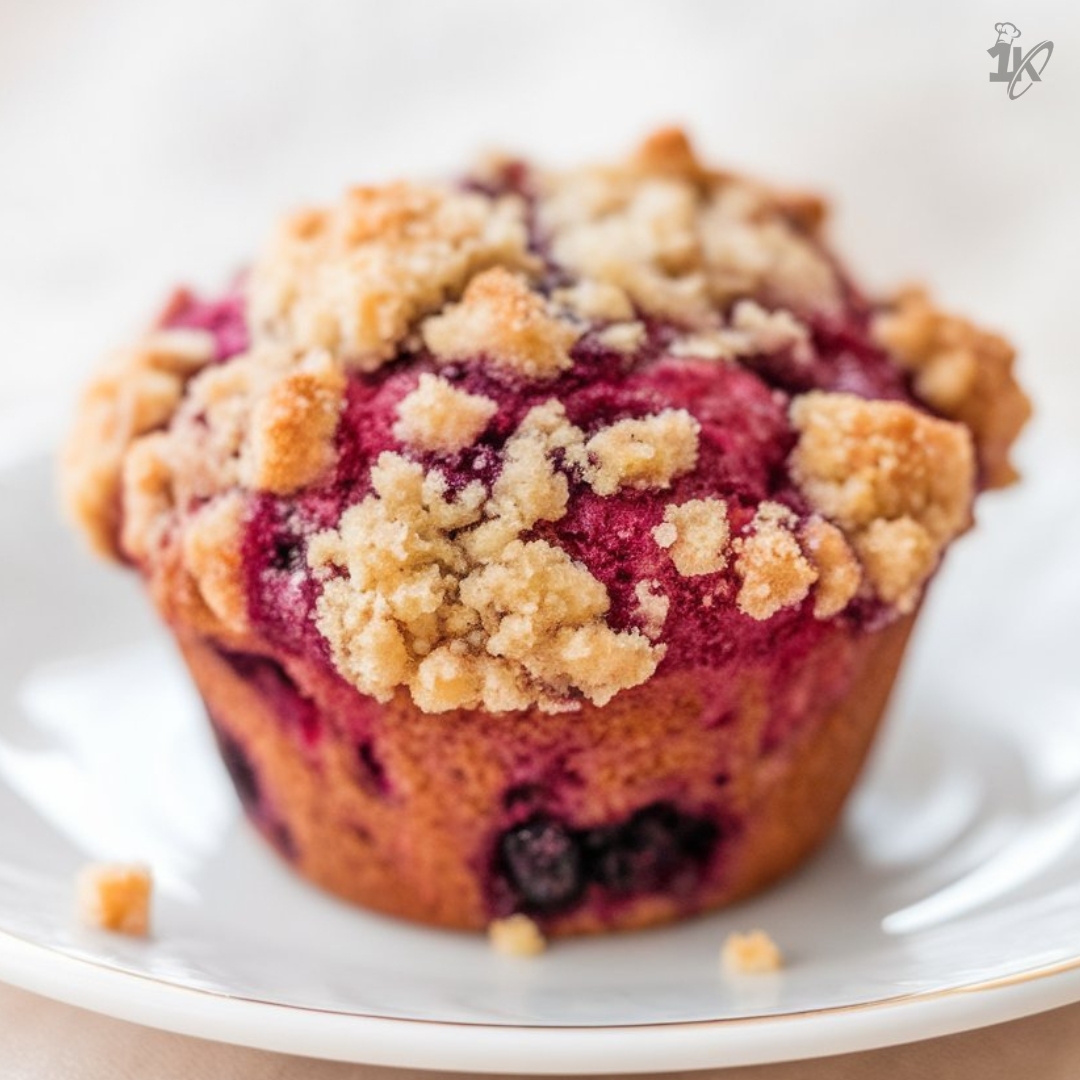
963,372
898,482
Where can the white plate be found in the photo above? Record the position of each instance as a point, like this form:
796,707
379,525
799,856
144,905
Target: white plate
950,900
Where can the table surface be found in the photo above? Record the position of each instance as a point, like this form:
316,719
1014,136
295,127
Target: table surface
43,1039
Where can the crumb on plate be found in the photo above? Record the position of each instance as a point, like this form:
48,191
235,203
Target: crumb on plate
752,953
115,897
516,935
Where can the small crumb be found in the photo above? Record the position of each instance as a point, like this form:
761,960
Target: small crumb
623,337
516,935
115,897
752,953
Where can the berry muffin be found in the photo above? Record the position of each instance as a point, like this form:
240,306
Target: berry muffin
545,543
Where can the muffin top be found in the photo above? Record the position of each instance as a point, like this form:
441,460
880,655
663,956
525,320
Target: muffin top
525,439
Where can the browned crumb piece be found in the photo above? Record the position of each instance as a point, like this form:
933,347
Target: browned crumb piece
516,935
963,372
696,535
292,427
838,571
775,574
898,483
356,278
751,953
438,416
501,318
115,897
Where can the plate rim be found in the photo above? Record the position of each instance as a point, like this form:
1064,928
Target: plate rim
528,1050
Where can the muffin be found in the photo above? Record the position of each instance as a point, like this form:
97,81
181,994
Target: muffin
544,542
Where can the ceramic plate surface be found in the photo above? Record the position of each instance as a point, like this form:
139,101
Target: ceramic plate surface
950,899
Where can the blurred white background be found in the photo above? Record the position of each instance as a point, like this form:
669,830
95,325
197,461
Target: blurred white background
144,143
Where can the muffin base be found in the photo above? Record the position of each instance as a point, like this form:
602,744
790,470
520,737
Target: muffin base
401,811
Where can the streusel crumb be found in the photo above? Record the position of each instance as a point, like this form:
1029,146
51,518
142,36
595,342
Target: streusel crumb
963,372
775,574
645,453
115,897
501,318
696,535
516,935
356,278
751,953
438,416
882,470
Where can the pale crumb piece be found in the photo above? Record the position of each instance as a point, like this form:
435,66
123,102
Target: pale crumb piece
696,535
624,337
965,373
292,427
838,570
775,574
898,482
652,608
706,345
600,300
770,331
751,953
516,935
645,453
115,897
444,597
665,534
753,331
752,248
356,278
438,416
499,317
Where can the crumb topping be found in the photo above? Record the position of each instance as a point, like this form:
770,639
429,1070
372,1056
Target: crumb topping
963,372
625,337
645,453
881,469
115,897
438,416
356,278
751,953
443,596
774,572
516,935
696,535
577,285
501,318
